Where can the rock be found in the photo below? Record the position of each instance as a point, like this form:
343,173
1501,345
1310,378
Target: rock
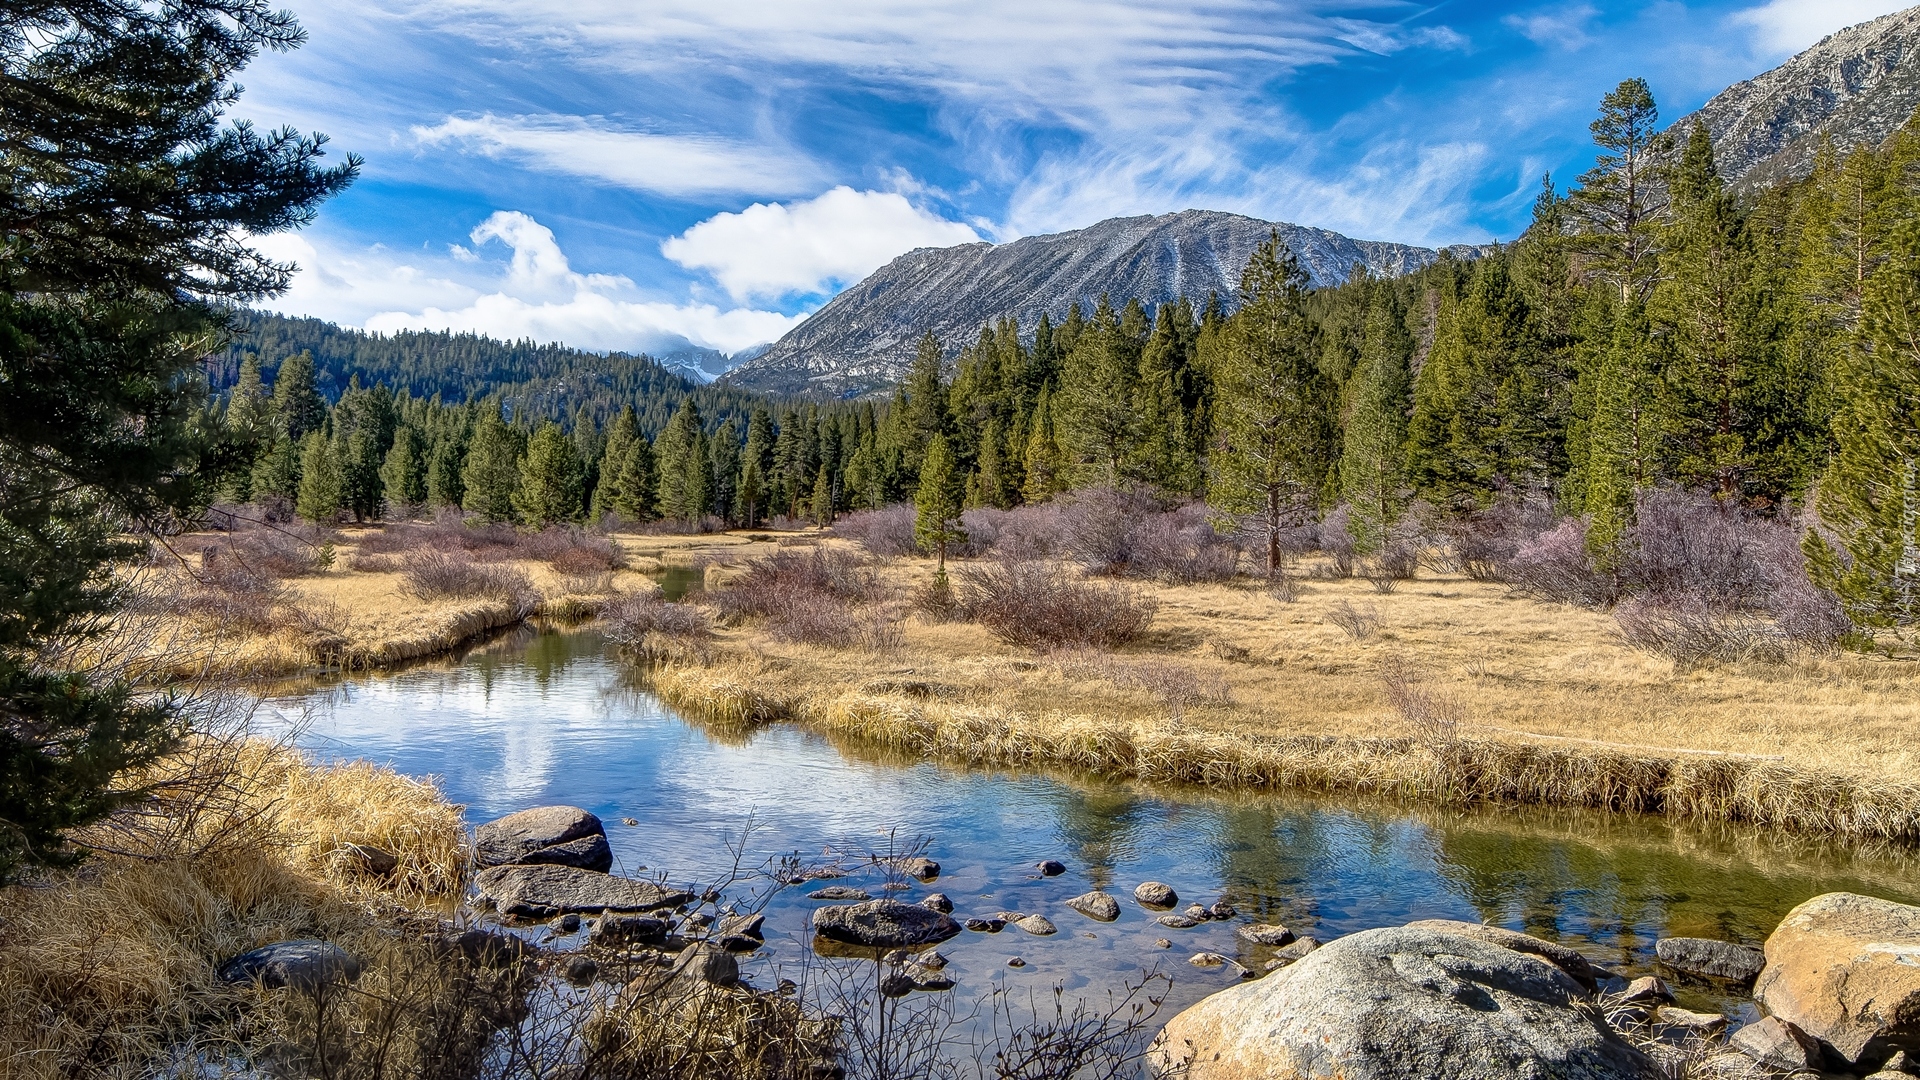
1016,962
620,929
303,964
1711,959
986,926
1265,934
1178,922
490,950
370,860
1196,913
1037,925
1845,969
708,963
1008,916
839,892
1222,910
512,839
1559,956
1096,905
919,868
931,960
579,971
883,924
1899,1062
926,978
1647,990
753,926
587,853
1776,1044
938,902
1296,951
1163,943
1399,1003
567,924
1156,894
543,891
1206,959
1052,868
895,984
1697,1023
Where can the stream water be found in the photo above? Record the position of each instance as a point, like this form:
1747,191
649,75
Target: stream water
543,716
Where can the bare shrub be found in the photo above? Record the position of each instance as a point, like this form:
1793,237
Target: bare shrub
815,619
886,532
1433,718
1484,543
1041,605
805,595
1555,566
1030,532
630,617
372,563
1336,541
1358,623
1690,544
588,583
1175,685
1690,631
880,629
571,550
1182,546
1283,587
440,575
936,600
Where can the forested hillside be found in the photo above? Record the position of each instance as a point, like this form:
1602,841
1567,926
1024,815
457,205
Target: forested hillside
537,381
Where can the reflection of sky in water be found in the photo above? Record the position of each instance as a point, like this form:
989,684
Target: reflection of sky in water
548,718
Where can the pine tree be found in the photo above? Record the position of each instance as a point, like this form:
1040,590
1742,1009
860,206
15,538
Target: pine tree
404,474
682,467
1042,459
276,474
1275,412
249,423
322,484
446,462
550,479
1621,202
920,406
1093,413
751,493
723,470
491,473
1625,433
1166,399
936,502
1869,498
297,405
823,499
626,472
1372,475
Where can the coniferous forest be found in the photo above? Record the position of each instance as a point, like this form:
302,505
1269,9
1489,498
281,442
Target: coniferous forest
1653,327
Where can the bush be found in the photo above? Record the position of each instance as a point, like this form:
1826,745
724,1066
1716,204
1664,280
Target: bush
804,595
1358,623
440,575
1555,566
1485,542
630,617
1045,605
886,532
1690,631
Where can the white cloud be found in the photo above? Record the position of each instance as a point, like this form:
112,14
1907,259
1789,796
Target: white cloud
535,294
771,250
1389,38
593,148
1564,27
1788,26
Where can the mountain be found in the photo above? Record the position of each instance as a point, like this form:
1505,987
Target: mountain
865,337
1856,86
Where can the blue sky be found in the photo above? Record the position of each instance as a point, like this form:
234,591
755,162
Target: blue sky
634,175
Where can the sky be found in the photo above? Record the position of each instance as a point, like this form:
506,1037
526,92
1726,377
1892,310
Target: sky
638,176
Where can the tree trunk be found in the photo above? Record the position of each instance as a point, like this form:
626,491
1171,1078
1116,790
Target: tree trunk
1273,532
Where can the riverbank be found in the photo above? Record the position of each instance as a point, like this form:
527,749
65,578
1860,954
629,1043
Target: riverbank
1445,691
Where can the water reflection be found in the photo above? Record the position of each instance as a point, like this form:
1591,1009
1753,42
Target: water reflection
544,716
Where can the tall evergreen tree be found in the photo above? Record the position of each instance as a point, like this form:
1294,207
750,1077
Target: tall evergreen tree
1276,425
936,502
404,474
1621,201
679,456
491,472
1373,454
550,478
297,405
446,465
626,472
1093,413
322,483
1042,460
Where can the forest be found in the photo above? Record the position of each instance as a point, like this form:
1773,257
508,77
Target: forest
1652,329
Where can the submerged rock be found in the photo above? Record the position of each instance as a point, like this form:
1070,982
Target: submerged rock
556,835
884,924
1156,894
839,892
1037,925
1178,922
1708,958
543,891
1398,1003
937,902
919,868
1051,868
303,964
1096,905
1845,969
986,926
610,929
1559,956
1265,934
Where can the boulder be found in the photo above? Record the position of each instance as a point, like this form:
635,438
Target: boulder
519,836
1647,990
707,963
611,929
1178,922
919,868
1096,905
1222,910
1300,948
1156,894
1265,934
1777,1044
299,965
1559,956
839,892
939,902
883,924
986,926
1686,1020
1197,913
579,971
1037,925
490,950
1051,868
1711,959
1397,1003
1845,969
543,891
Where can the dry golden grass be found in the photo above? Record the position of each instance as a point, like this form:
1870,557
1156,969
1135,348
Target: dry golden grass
107,969
1552,706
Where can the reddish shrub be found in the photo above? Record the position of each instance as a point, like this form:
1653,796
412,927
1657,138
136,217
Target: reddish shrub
885,532
1045,605
437,575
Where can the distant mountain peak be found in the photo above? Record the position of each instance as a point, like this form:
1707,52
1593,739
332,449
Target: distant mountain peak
865,337
1856,86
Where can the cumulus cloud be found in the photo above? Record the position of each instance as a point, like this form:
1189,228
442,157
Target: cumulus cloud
593,148
535,294
771,250
1788,26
